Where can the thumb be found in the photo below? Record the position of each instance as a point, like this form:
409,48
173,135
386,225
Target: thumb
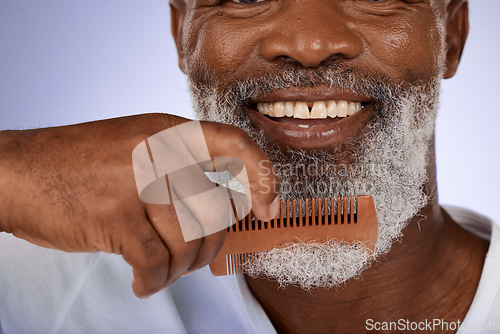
229,141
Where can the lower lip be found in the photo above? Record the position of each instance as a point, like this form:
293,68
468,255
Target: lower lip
321,134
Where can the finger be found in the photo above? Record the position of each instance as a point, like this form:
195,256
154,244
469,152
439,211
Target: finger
144,250
181,254
178,152
236,183
229,141
195,196
209,248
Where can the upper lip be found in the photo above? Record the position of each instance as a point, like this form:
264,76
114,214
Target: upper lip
310,95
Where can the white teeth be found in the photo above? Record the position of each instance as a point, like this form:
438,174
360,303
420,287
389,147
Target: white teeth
279,109
289,106
332,109
261,108
270,109
352,109
265,108
305,126
319,110
343,108
301,110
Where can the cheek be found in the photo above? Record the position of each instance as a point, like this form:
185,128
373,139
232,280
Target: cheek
403,51
225,47
398,48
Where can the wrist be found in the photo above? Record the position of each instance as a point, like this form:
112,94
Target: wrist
6,176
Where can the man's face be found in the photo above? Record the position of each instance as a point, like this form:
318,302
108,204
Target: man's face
380,62
227,42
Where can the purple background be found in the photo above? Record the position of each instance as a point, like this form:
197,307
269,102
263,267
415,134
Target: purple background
64,62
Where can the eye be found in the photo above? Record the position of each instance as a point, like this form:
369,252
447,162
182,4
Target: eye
379,7
244,2
379,1
390,1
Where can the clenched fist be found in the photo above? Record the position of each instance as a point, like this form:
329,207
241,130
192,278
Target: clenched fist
72,188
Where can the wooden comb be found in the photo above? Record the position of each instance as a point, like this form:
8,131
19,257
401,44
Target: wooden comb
328,218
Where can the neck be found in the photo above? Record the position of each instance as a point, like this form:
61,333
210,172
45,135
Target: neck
413,281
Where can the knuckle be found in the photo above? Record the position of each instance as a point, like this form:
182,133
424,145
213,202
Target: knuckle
241,140
187,252
235,138
157,264
168,120
155,255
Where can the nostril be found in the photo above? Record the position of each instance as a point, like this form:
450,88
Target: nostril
287,60
310,43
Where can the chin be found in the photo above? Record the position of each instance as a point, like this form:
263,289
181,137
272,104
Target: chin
381,150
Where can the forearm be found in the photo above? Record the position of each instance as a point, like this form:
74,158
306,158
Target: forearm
9,140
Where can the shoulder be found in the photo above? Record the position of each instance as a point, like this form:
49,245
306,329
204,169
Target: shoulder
483,315
471,221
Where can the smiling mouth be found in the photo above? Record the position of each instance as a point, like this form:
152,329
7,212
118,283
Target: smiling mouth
317,113
311,125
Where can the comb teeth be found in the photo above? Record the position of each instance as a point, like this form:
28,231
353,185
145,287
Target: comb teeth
316,219
295,213
235,262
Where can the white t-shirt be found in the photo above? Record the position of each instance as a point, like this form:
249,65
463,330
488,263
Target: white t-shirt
484,314
47,291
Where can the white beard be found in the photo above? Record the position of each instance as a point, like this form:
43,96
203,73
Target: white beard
390,165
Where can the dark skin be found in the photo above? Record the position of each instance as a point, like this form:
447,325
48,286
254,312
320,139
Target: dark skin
434,272
72,188
60,186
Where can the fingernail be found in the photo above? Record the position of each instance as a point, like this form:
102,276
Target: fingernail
144,295
187,273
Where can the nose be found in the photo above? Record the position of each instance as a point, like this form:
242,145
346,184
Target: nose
310,32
